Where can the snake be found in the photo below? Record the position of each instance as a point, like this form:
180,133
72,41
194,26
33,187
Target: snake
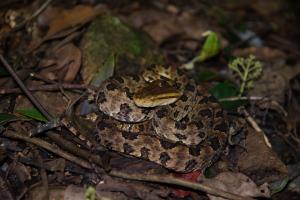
162,116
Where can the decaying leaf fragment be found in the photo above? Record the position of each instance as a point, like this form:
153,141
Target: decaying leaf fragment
63,64
237,183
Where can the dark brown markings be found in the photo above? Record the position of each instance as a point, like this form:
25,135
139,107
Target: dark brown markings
190,165
111,86
180,136
125,109
145,153
180,126
164,157
199,94
127,148
213,99
136,78
214,143
141,128
130,135
101,97
128,93
220,113
223,127
173,105
204,99
102,125
186,107
180,72
108,144
201,134
176,113
195,150
146,111
154,122
205,113
190,87
167,145
161,112
184,98
119,79
199,124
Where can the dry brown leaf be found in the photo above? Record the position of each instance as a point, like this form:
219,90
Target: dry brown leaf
70,18
237,183
63,65
132,189
260,162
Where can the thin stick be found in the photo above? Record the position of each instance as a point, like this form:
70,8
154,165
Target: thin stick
140,177
25,90
255,98
256,127
176,181
52,148
50,87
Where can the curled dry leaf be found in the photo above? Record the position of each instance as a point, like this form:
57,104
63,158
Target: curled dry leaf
132,189
64,64
69,18
260,162
237,183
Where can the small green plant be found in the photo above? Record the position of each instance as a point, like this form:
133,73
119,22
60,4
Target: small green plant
90,193
210,48
248,69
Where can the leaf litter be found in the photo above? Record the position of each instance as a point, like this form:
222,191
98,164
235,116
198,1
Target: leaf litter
55,40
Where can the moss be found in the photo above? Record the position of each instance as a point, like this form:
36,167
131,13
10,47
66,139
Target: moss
107,36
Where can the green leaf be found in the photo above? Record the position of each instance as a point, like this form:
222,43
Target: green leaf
278,186
90,193
32,113
226,90
206,75
4,118
211,46
105,71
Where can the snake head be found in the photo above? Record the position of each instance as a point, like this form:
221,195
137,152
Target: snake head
156,93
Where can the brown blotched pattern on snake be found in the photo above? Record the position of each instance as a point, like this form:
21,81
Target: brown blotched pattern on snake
183,136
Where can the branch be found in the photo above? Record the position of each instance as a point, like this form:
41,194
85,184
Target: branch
176,181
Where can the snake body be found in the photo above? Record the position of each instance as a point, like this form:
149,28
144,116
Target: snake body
183,133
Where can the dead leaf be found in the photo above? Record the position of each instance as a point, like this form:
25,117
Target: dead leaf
70,18
56,164
161,25
132,189
64,64
237,183
259,161
67,21
17,176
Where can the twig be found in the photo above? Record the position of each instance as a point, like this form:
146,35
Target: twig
24,89
256,98
33,16
255,125
49,147
176,181
52,87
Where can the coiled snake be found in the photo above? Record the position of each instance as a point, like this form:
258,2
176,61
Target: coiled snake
163,117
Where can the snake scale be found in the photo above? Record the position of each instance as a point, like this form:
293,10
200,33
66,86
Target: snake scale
162,116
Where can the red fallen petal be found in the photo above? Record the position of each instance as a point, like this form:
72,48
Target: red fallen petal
192,176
